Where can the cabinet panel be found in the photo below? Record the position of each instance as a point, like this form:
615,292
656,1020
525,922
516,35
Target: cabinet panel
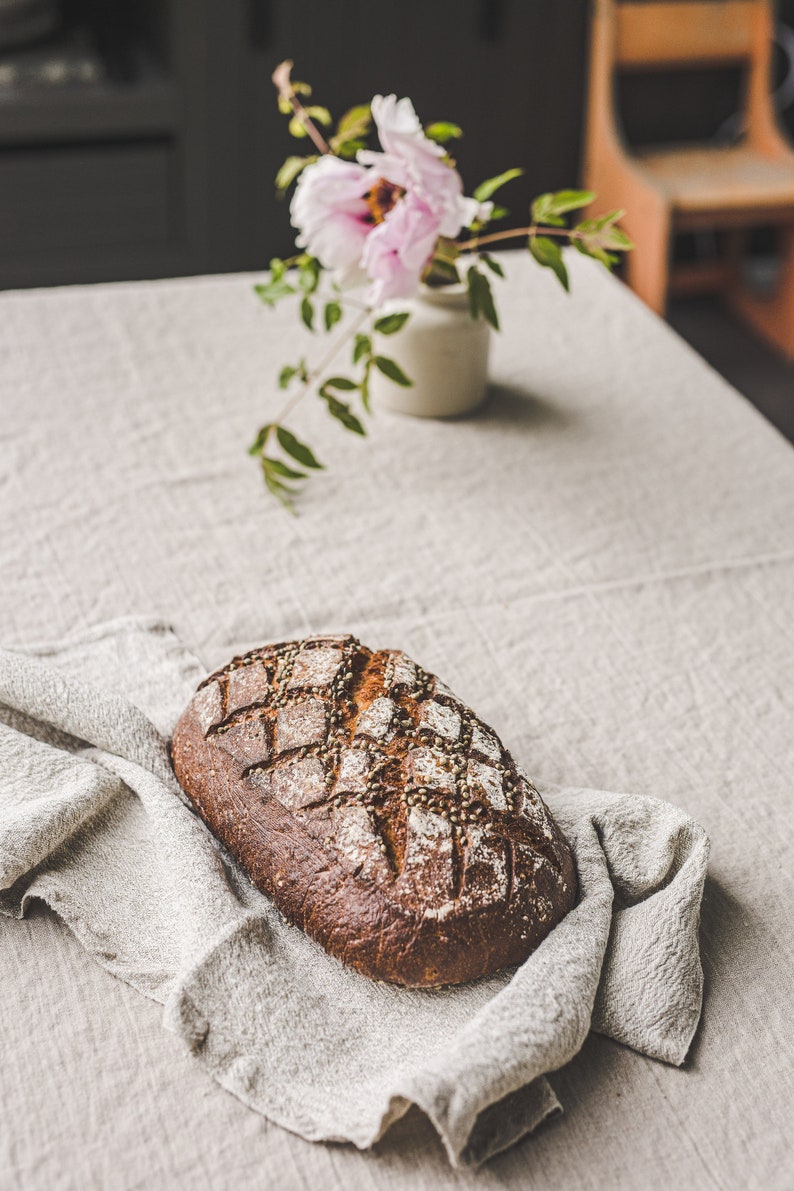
84,198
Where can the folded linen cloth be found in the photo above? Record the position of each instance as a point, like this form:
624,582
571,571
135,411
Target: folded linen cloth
93,823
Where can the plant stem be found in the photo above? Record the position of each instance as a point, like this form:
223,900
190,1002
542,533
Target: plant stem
329,356
514,233
319,140
286,91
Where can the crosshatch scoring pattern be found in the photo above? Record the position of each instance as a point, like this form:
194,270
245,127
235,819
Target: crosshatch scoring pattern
380,761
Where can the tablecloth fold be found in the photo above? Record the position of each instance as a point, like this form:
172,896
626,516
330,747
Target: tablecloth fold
93,823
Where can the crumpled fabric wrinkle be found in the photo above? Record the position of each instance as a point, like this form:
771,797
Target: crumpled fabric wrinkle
93,823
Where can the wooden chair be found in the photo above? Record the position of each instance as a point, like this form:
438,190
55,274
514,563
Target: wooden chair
686,189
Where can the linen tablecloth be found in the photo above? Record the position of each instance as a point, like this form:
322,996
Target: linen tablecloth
601,562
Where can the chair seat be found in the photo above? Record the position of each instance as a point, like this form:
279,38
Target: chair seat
701,179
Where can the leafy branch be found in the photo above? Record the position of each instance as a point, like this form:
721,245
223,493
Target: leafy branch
286,461
277,471
351,130
599,238
302,122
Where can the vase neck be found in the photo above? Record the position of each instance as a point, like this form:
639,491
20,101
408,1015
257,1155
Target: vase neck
454,297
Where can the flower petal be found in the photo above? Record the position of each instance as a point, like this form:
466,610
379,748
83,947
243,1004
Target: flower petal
397,250
331,213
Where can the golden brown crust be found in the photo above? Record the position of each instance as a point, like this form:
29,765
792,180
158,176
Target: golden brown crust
378,813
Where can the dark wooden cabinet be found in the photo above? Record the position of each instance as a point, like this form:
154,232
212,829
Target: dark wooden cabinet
165,164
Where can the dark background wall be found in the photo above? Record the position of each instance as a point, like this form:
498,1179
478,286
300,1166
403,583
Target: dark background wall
163,161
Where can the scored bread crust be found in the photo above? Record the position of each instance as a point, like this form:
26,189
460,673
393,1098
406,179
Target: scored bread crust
377,811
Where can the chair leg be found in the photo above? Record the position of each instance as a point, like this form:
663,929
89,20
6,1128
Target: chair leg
771,317
648,265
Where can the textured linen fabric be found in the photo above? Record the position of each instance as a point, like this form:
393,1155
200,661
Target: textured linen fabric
92,823
601,561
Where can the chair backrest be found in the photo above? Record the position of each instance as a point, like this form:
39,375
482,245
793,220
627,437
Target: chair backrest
675,33
668,34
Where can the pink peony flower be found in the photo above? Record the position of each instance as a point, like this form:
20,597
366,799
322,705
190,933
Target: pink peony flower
330,210
397,250
399,131
383,213
414,162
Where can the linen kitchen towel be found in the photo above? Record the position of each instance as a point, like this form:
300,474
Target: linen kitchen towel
94,824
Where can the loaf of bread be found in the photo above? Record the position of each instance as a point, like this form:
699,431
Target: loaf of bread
375,809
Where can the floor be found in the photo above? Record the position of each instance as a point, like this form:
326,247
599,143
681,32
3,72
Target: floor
765,378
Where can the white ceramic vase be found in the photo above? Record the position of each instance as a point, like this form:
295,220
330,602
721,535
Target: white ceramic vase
442,349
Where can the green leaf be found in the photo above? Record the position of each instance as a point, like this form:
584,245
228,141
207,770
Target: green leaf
442,269
277,268
281,492
363,347
617,238
351,131
275,472
349,150
604,232
549,254
547,208
258,445
286,375
446,250
309,269
340,382
488,305
301,88
443,131
291,370
355,121
546,219
307,313
297,449
440,272
480,297
572,200
589,248
391,323
498,213
364,386
290,170
392,370
493,265
343,413
281,469
271,291
600,222
296,127
600,238
318,114
491,185
332,314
